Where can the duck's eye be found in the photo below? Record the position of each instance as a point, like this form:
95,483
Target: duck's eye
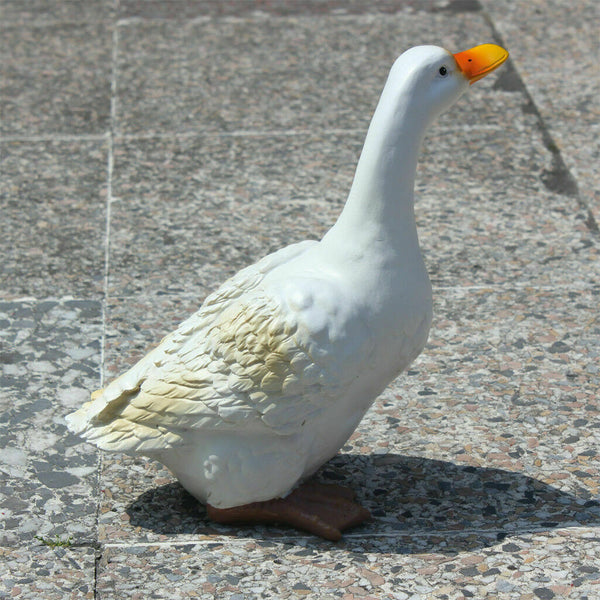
443,71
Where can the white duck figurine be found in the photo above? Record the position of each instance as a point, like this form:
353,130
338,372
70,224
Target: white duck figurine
253,393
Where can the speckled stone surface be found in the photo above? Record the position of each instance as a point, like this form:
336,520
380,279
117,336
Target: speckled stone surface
148,150
555,47
43,12
524,568
49,358
514,403
263,74
478,189
493,430
56,78
52,234
50,573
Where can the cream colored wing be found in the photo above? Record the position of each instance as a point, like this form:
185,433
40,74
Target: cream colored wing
247,360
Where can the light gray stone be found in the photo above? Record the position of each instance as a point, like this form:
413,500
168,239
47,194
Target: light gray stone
50,573
48,478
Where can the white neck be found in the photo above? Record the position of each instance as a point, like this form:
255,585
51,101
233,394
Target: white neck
380,203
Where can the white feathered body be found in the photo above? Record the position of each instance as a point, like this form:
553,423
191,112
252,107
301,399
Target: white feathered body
269,378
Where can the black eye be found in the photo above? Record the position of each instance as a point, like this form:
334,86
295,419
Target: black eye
443,71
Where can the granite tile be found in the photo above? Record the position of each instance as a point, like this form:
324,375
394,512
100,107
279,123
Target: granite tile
193,210
540,565
52,574
408,496
56,79
202,208
517,344
53,218
265,74
412,495
480,465
555,49
486,214
49,358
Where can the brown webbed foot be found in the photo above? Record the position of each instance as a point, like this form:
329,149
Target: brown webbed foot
322,509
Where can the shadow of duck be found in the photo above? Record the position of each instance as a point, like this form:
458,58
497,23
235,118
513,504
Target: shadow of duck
418,504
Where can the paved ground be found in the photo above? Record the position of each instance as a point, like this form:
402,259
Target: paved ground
151,148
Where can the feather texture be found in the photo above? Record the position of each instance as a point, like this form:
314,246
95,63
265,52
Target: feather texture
246,357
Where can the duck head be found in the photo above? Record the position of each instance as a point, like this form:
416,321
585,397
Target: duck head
431,79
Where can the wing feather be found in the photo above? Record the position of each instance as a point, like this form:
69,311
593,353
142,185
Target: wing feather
247,357
223,365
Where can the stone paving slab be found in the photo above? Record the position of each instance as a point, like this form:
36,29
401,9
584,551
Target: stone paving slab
263,74
56,79
52,234
43,12
407,495
193,9
50,358
561,564
513,403
33,573
555,45
486,214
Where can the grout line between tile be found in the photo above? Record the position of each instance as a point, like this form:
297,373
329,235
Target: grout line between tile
199,133
109,192
109,199
23,299
357,537
56,137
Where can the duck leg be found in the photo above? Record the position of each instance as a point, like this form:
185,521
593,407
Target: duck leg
323,509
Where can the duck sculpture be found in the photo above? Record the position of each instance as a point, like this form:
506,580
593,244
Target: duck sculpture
249,396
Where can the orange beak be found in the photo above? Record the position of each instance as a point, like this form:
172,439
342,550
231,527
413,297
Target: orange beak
481,60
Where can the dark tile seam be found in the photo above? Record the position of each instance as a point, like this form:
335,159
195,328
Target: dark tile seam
558,178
